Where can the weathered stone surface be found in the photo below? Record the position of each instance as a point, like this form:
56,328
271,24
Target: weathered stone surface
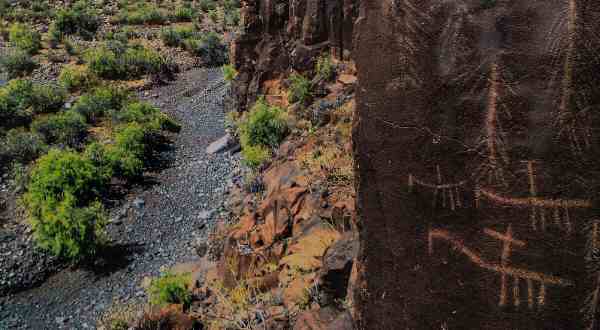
220,145
477,153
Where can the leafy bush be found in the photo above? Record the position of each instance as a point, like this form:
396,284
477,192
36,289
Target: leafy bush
15,99
47,98
174,36
20,147
207,5
170,289
299,89
66,128
254,156
232,17
183,14
262,128
62,205
24,38
213,15
210,47
324,68
229,72
148,116
264,125
126,155
101,101
75,78
117,61
81,19
17,63
143,13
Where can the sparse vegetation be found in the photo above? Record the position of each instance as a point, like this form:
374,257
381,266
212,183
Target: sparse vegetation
99,102
142,13
24,38
324,68
300,89
115,60
19,147
264,127
67,128
170,289
229,72
17,63
20,99
81,19
77,78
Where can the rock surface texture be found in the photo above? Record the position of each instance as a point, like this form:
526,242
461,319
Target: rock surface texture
279,35
477,149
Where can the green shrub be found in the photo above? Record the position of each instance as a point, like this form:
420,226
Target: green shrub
100,102
23,37
183,14
69,46
232,17
210,47
61,201
174,36
254,156
148,116
66,128
299,89
264,125
21,147
17,63
104,63
47,98
81,19
143,13
207,5
117,61
126,156
15,102
170,289
324,68
213,15
229,72
76,78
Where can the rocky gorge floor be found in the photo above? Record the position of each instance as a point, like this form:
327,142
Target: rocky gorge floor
156,226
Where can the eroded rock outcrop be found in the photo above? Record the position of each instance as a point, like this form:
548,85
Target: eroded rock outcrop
279,35
478,151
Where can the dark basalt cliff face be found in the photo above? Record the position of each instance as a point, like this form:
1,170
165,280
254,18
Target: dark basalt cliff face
478,153
281,35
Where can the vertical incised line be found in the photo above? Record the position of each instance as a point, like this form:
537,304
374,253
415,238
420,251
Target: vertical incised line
567,83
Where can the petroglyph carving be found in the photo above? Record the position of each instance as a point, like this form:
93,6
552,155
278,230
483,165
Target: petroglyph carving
540,208
497,158
504,268
449,193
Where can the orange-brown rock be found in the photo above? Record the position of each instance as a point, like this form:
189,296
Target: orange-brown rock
322,319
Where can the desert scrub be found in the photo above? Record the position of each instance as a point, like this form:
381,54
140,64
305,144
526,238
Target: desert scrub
101,101
126,156
20,147
115,60
142,13
207,5
209,47
67,128
20,99
324,68
300,89
174,36
17,63
183,13
81,19
77,78
229,72
62,204
147,115
264,127
24,38
170,289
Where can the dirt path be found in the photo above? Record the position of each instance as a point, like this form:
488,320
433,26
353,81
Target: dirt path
158,226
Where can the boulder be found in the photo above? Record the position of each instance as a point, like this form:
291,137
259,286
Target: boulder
220,145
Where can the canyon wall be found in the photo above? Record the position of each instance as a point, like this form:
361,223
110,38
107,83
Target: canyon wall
278,36
478,159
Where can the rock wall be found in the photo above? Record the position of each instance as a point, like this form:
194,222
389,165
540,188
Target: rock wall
277,36
477,148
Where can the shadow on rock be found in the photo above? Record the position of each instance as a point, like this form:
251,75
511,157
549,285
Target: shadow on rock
112,258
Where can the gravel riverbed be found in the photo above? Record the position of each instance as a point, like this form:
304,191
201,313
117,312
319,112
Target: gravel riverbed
154,227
